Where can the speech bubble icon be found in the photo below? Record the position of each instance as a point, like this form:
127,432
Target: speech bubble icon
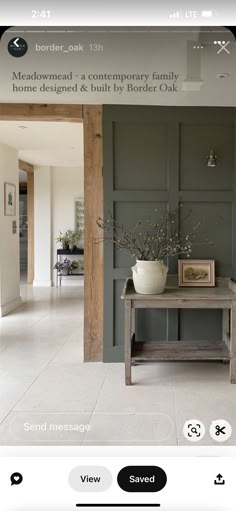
16,478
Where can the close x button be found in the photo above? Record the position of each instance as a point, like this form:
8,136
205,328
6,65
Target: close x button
142,479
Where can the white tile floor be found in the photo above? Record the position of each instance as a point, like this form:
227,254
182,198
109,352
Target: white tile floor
44,381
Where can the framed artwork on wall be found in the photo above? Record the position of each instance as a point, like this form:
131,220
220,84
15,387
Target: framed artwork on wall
79,216
196,272
9,199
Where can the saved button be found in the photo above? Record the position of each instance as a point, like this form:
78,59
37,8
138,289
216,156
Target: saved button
142,479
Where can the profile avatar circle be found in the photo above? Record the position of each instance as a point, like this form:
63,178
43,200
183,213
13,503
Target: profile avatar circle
17,47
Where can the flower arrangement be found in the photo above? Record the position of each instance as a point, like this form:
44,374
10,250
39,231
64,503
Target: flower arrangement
152,240
66,266
69,239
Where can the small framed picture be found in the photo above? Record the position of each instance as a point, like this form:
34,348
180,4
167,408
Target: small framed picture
9,199
196,272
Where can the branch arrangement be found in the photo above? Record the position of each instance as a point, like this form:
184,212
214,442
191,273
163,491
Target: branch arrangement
152,241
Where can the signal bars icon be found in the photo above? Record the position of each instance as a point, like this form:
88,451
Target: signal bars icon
175,15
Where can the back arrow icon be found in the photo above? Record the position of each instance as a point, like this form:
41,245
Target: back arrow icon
16,41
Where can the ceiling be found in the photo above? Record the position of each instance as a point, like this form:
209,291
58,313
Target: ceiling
45,143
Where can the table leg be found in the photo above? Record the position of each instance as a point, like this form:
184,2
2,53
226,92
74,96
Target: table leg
58,259
233,345
225,324
226,331
128,328
133,321
133,333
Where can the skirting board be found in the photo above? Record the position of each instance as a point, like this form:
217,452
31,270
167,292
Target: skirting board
42,283
10,306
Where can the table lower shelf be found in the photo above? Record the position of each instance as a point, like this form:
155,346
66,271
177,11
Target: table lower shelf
70,274
179,350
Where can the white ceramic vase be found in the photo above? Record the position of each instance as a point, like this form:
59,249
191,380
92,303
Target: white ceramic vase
149,277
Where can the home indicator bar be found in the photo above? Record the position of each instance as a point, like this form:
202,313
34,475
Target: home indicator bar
118,505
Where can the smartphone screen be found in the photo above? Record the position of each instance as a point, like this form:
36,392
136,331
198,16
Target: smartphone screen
117,267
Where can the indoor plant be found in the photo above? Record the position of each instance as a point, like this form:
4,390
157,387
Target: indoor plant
151,243
65,267
74,237
69,239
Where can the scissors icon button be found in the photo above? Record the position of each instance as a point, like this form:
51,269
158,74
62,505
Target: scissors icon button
220,430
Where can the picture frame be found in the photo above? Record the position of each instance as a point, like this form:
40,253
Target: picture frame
79,217
196,272
9,199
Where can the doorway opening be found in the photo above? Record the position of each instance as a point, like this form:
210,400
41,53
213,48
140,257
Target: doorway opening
47,171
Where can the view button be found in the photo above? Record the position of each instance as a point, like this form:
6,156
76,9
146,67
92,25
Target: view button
90,479
142,479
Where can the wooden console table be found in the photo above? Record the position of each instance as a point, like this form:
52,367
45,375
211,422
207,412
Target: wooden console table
220,297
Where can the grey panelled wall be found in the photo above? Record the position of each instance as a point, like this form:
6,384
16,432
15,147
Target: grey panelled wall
154,158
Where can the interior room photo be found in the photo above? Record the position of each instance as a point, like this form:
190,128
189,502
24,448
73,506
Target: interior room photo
49,368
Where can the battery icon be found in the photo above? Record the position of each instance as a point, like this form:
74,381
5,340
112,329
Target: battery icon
207,14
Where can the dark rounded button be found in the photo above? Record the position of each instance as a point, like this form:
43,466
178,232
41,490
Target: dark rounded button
142,479
17,47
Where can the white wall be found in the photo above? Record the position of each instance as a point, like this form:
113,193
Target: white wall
67,185
43,224
56,189
9,242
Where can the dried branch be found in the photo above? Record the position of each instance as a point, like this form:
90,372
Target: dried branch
152,241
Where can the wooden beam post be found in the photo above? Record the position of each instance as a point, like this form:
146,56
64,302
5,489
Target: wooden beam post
93,253
27,167
39,112
30,211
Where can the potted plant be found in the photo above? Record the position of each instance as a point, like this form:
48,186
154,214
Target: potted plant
74,266
63,239
69,239
78,266
64,267
74,238
151,243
